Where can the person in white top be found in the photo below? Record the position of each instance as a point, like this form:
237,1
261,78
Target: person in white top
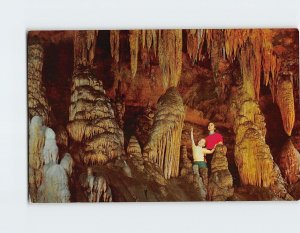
199,152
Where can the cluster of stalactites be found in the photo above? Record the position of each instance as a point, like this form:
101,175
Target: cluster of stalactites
166,44
254,50
163,146
84,47
243,45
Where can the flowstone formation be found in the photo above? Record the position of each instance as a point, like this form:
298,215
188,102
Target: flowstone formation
37,102
288,162
252,155
220,186
163,146
92,121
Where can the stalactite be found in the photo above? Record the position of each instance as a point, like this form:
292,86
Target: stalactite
92,120
37,102
170,56
288,162
134,49
285,101
114,44
192,44
84,47
163,146
254,50
119,105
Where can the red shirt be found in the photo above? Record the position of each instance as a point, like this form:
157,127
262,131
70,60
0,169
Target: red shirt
212,140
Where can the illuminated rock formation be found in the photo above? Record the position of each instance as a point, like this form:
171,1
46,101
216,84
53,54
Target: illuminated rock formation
55,186
285,101
84,47
163,146
252,155
92,121
220,186
37,103
134,148
36,144
288,162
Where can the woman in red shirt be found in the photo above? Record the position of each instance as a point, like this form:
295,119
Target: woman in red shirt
211,141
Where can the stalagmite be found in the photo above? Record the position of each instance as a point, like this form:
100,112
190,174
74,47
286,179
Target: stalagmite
285,101
163,146
96,188
220,186
36,143
115,44
84,47
92,120
37,103
55,187
50,150
134,148
252,155
288,162
185,164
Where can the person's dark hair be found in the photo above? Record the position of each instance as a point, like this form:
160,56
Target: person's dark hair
212,123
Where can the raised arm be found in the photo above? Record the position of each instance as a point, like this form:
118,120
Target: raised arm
206,151
192,137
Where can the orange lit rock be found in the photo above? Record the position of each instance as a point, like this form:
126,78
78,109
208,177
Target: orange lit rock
288,162
220,186
163,146
285,101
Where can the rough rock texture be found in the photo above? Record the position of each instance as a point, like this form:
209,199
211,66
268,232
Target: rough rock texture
84,47
37,102
144,125
134,148
119,106
285,101
185,165
220,186
96,188
252,155
92,121
163,146
36,144
288,162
